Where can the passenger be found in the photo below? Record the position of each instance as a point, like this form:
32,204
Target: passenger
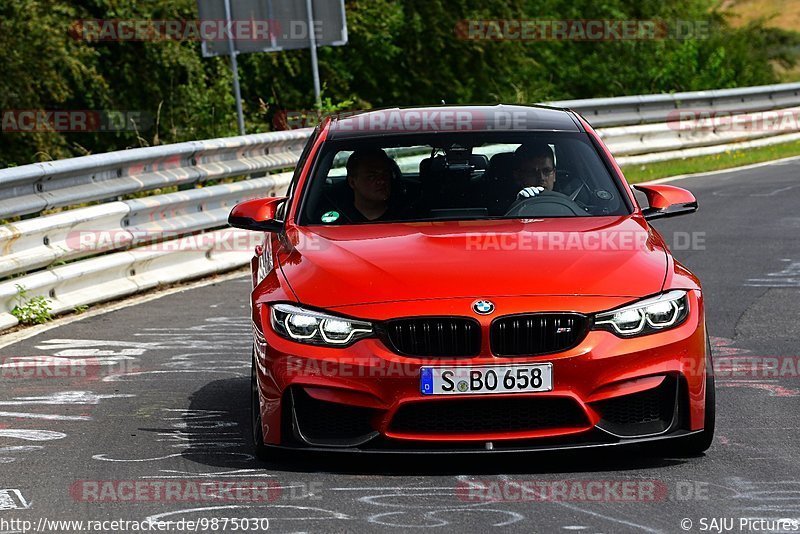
370,174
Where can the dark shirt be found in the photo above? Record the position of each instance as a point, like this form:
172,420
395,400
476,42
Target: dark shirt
391,214
340,200
349,214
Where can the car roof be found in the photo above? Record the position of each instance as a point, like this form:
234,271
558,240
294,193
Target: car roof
450,119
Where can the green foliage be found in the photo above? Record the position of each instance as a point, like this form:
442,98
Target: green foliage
715,56
399,53
31,310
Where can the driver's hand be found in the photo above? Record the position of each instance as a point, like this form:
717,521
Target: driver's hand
529,192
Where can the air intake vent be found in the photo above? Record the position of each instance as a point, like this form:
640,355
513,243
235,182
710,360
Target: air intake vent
469,416
646,412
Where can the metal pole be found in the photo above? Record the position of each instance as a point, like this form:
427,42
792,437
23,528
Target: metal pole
237,92
314,65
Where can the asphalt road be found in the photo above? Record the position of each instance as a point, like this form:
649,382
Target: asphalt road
160,394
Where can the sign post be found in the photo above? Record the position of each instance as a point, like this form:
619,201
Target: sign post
312,41
282,17
237,90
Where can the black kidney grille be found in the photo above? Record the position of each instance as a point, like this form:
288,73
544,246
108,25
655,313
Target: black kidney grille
434,336
539,333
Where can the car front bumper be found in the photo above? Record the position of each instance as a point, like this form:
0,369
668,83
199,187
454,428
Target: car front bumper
606,391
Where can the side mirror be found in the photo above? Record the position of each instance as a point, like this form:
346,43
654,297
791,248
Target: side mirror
257,214
666,201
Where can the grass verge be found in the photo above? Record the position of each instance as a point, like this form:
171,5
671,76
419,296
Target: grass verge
724,160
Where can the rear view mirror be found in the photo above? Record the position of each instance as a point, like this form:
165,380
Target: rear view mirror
666,201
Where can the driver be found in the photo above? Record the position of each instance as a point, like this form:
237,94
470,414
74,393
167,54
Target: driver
534,169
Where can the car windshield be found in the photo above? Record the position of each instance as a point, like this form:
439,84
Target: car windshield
463,176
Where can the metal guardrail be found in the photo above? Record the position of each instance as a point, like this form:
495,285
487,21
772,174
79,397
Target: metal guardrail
678,135
643,109
91,254
35,243
54,184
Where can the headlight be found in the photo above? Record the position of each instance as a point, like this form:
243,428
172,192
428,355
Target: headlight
646,316
317,328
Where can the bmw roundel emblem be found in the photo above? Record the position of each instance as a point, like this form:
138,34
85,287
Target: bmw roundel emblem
483,307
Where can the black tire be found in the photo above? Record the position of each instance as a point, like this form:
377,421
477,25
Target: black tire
259,448
697,444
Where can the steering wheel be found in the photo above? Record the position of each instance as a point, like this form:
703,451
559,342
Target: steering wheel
546,204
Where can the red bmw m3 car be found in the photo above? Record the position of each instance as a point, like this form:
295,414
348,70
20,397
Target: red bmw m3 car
472,279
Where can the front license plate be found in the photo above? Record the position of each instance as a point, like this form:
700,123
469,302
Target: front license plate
486,379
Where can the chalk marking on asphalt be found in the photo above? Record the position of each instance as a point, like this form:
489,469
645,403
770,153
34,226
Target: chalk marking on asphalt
399,488
126,376
185,363
774,390
431,515
774,192
21,335
333,514
236,473
763,494
65,397
788,277
12,499
34,362
105,458
83,347
193,414
429,512
46,416
31,435
21,448
596,514
189,434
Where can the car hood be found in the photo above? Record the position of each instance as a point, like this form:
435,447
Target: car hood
361,264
